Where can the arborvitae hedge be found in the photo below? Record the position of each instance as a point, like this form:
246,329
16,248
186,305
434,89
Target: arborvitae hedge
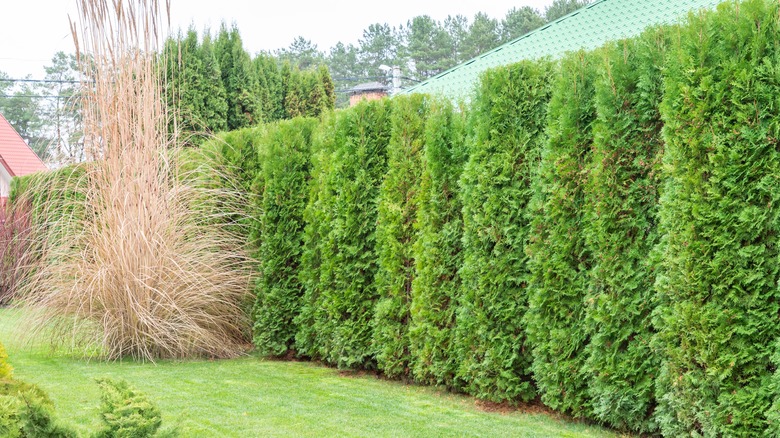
285,168
438,251
720,213
396,234
317,216
560,260
509,118
620,230
345,294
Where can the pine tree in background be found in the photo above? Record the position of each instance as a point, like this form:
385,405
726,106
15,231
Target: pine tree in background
623,190
396,234
720,215
559,258
438,251
239,79
509,118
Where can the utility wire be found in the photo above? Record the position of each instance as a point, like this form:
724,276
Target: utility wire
51,81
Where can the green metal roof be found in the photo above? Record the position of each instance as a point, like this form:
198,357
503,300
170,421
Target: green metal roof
587,28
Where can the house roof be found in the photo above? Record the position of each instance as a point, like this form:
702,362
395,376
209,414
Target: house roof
587,28
369,86
15,156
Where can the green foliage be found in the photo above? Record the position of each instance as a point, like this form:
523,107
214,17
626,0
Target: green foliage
509,119
620,231
341,292
438,250
559,259
27,412
6,370
317,216
285,171
126,412
396,234
720,216
239,78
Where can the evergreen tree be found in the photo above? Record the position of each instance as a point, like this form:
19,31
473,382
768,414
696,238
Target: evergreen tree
302,54
483,35
429,47
396,234
623,191
559,8
339,276
239,79
438,251
279,290
270,87
520,21
509,120
720,211
215,104
559,258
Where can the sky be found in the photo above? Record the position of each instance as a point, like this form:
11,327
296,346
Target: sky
32,31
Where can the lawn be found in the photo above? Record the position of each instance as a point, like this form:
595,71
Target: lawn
254,397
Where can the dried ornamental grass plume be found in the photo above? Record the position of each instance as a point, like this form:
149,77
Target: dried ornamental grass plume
148,268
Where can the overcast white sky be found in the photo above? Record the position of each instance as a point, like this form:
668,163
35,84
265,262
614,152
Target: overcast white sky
31,31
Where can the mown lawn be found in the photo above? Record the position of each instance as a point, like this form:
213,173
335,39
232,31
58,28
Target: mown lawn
250,397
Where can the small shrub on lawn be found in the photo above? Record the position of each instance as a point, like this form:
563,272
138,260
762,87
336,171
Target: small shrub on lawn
126,412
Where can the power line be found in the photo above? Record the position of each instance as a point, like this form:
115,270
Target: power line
51,81
35,96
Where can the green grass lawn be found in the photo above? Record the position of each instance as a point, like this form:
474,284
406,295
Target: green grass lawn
250,397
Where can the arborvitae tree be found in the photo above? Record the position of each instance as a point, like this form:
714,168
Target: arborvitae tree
194,87
620,230
239,79
329,99
559,258
396,234
270,81
438,251
509,118
286,165
343,302
318,219
215,105
720,215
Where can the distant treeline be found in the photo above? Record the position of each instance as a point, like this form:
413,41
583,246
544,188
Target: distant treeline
215,85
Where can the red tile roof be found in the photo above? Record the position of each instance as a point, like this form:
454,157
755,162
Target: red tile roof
15,156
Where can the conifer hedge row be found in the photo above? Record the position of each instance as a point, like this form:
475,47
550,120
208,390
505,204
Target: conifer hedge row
600,231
